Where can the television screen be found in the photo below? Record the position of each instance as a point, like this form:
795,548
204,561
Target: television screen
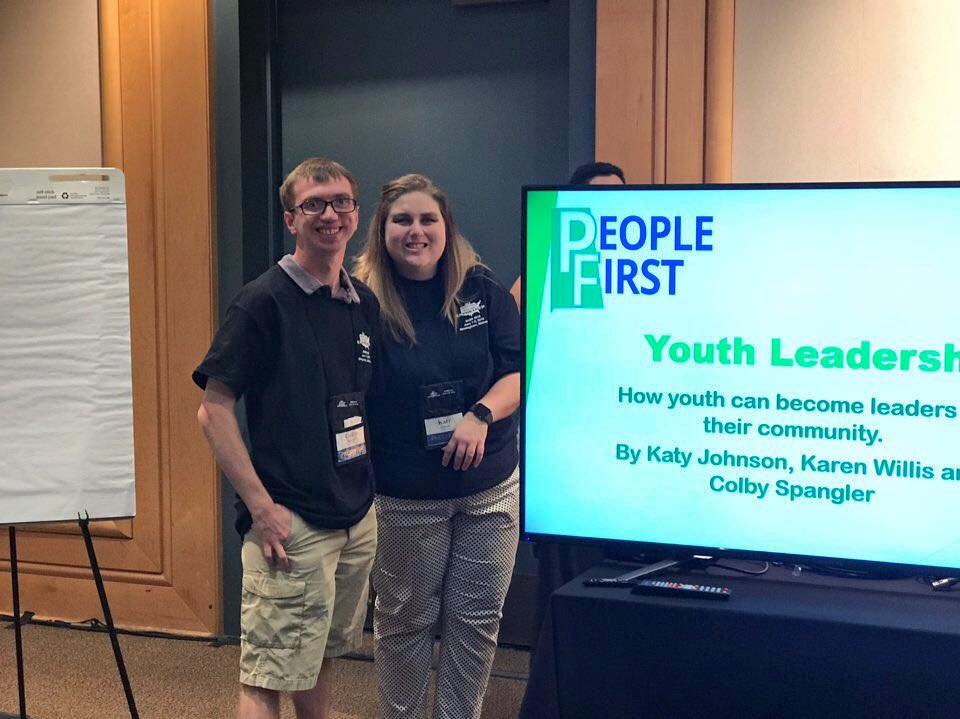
745,369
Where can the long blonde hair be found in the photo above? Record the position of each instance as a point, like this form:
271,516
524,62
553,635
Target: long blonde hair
375,267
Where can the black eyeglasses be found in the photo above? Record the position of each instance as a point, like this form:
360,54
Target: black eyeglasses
316,206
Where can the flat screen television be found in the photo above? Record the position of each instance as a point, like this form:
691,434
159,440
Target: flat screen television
759,371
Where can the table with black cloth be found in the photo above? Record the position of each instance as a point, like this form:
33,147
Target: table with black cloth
782,646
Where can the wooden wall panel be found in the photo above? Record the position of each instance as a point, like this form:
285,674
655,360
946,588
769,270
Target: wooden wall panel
163,567
625,86
659,109
718,120
48,56
686,38
665,88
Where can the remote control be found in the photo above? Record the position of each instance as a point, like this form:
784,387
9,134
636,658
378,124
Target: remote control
609,582
678,589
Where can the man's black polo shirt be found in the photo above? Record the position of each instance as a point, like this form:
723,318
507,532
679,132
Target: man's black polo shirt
287,351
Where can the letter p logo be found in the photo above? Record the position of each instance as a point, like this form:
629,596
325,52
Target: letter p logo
568,220
575,260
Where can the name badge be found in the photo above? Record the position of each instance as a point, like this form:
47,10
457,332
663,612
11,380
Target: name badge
347,418
441,407
439,430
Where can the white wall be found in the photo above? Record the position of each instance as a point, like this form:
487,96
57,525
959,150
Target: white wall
832,90
49,83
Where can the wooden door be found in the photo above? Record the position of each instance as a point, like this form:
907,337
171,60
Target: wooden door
162,568
665,89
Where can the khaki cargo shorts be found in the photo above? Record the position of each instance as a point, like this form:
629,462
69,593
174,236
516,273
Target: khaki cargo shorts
290,621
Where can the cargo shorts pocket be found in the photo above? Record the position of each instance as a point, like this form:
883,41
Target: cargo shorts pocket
271,611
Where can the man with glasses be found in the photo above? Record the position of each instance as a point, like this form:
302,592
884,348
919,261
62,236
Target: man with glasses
297,343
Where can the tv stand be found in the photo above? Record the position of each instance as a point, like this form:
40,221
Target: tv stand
781,647
649,570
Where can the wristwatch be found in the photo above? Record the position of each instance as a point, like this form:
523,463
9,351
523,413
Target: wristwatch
482,412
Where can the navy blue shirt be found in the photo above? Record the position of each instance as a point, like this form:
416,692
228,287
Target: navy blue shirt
483,347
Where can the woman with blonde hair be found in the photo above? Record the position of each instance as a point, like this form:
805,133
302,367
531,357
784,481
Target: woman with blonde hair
444,447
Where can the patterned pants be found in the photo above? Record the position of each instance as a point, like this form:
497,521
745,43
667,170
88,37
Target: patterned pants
451,560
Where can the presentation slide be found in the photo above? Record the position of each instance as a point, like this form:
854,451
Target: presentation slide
769,369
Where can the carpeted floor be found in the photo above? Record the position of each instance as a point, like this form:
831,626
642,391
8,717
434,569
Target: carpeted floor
71,674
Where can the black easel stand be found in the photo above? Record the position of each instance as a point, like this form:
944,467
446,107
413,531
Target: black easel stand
108,618
15,580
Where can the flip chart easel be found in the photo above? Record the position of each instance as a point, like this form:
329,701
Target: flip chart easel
66,451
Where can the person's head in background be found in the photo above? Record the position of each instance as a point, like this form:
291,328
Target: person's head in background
597,173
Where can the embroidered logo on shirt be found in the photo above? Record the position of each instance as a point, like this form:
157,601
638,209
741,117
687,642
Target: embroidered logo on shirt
472,315
363,339
470,308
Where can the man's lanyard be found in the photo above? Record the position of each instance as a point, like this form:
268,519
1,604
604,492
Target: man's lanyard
346,415
353,308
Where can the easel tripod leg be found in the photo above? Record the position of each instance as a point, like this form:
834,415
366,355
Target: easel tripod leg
15,580
107,616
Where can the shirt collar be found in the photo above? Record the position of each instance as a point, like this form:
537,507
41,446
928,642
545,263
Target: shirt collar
344,291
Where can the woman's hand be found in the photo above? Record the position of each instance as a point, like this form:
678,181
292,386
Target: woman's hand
466,444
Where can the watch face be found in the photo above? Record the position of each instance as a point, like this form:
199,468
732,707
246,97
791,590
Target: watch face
483,413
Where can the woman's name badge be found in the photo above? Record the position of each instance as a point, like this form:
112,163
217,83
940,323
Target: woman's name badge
441,407
440,429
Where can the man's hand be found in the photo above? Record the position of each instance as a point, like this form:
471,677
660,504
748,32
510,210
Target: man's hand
467,443
273,525
271,521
